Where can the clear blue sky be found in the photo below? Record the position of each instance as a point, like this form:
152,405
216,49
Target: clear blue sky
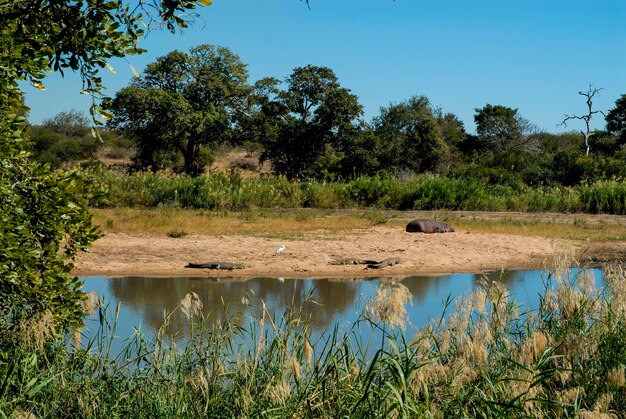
534,55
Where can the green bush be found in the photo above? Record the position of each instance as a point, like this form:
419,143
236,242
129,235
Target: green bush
50,146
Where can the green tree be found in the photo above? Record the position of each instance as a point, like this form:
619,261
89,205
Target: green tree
361,152
44,220
308,122
260,118
616,119
500,128
411,136
182,106
72,123
451,128
506,146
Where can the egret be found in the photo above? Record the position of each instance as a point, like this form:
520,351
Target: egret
281,249
281,279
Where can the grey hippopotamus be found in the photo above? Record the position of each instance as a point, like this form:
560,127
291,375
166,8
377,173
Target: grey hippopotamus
428,226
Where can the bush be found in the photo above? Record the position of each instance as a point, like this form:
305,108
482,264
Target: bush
55,148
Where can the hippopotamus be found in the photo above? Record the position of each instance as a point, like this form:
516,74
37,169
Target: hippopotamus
428,226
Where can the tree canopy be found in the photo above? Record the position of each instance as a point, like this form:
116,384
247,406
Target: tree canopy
411,135
616,119
309,119
181,105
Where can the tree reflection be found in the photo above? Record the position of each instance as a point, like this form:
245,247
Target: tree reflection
323,301
153,299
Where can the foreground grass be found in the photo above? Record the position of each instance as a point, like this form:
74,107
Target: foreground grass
489,357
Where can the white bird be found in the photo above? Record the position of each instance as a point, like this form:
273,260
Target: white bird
281,249
281,279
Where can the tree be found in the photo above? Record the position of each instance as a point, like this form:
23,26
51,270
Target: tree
451,128
410,135
184,104
44,220
308,122
616,119
587,133
72,123
361,151
502,129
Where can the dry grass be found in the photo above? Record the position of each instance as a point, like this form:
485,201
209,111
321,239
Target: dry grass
389,304
35,331
574,231
293,223
284,224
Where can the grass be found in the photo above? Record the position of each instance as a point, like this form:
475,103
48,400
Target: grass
488,357
265,223
587,232
420,192
296,222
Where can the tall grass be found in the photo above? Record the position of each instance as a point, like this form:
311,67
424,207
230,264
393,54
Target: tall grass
486,356
423,192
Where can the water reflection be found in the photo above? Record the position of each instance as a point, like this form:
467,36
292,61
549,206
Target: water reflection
144,301
321,300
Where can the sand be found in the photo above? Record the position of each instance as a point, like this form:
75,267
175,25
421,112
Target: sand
117,254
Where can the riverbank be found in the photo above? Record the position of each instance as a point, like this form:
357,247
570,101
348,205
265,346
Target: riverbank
118,254
158,242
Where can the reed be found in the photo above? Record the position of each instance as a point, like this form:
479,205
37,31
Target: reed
485,356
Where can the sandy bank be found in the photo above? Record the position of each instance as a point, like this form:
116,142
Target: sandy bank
118,254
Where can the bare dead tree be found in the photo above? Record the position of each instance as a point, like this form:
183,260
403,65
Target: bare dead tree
587,134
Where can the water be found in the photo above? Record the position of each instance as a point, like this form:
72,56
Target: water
144,302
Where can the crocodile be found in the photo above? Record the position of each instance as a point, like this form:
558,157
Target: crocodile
374,264
386,262
218,265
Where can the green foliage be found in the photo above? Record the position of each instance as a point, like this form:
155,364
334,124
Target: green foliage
452,129
575,168
64,138
44,220
411,136
497,126
616,119
480,190
44,223
500,128
114,145
36,36
182,106
69,123
361,153
309,125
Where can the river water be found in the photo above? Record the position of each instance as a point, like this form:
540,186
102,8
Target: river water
145,302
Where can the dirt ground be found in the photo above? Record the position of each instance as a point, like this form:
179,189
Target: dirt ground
118,254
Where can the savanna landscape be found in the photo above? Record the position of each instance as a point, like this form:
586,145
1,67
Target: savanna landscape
193,162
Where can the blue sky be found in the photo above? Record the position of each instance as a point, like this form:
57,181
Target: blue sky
534,55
